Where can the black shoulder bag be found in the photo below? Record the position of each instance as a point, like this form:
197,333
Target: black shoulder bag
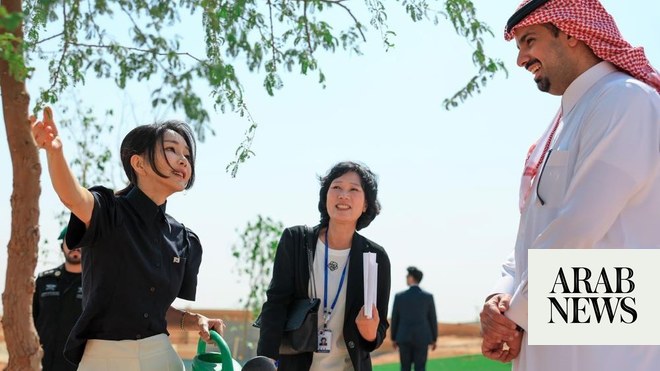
300,330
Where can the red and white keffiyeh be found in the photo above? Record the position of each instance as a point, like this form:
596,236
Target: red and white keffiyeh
535,157
588,21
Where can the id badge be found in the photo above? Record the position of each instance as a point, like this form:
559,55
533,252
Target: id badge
324,341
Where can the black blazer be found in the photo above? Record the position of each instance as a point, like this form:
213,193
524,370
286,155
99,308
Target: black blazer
413,317
291,281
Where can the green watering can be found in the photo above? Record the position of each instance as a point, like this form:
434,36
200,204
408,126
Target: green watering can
214,361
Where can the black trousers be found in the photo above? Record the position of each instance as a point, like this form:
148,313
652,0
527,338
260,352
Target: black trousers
413,354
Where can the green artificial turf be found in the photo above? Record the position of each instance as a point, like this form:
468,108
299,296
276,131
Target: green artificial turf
462,363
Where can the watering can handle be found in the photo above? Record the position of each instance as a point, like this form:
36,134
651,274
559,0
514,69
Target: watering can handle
225,353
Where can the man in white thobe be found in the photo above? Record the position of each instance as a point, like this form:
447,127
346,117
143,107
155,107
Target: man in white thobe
591,181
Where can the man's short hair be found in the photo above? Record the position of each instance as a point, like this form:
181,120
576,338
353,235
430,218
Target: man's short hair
416,274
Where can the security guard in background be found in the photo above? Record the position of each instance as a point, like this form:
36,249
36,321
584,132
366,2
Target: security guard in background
56,306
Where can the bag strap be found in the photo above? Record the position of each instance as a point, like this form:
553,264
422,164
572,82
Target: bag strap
310,265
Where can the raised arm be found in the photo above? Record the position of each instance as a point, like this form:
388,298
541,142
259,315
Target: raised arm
75,197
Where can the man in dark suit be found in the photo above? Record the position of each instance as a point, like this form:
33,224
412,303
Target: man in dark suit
414,324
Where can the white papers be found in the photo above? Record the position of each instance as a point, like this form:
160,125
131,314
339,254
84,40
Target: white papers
370,282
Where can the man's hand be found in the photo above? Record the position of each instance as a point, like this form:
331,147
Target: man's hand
500,352
497,330
495,327
492,350
515,346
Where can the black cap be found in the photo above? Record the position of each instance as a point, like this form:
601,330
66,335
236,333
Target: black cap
259,363
523,12
415,273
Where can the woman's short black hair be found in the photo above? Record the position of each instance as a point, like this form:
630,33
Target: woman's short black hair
369,186
146,140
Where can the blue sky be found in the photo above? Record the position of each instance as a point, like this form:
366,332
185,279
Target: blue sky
448,179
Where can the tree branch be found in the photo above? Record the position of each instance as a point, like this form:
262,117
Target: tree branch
93,20
103,46
272,33
128,14
50,38
339,2
65,48
309,38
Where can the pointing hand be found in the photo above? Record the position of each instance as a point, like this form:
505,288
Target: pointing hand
45,132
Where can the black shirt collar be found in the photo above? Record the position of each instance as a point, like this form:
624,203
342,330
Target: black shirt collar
146,207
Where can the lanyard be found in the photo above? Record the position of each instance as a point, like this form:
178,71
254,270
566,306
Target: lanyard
326,312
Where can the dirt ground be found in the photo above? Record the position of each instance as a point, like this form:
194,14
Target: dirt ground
447,346
454,340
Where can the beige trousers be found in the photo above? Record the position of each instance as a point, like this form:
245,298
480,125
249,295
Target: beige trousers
154,353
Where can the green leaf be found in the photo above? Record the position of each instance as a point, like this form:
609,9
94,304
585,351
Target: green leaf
9,21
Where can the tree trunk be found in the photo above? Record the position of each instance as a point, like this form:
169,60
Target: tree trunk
21,338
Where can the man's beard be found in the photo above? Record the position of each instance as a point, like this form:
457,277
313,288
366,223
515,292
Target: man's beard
70,259
543,84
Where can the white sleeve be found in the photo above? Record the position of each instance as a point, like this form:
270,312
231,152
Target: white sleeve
518,306
505,284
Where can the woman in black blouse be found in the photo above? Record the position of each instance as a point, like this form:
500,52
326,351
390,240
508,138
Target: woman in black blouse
137,258
348,202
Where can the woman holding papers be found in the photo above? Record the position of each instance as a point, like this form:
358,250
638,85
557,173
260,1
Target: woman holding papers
341,259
